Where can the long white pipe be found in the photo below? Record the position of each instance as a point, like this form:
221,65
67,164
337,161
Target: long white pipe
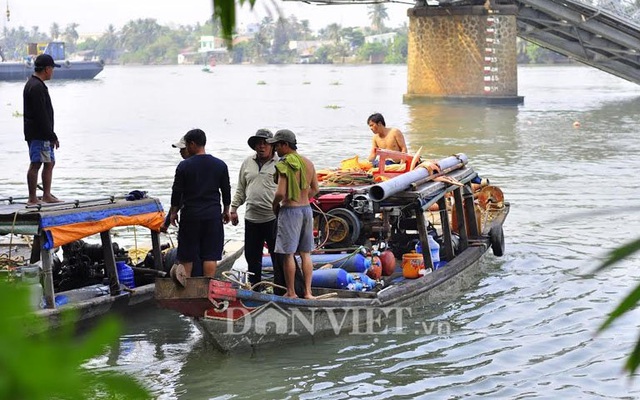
402,182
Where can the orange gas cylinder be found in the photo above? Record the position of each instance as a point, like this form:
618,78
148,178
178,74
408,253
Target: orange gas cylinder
388,261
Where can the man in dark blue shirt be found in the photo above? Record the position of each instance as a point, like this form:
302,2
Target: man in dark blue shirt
200,183
38,129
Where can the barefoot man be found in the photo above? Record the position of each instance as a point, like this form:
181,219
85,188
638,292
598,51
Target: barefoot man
383,137
38,129
297,183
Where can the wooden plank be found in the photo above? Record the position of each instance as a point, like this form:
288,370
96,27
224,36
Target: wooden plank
447,253
470,211
47,272
110,263
422,235
461,225
155,250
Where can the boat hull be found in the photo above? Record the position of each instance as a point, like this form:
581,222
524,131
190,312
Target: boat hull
15,71
257,320
234,319
88,303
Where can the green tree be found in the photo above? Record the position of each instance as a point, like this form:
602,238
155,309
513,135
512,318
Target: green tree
306,30
280,49
332,32
353,36
322,54
398,50
107,45
371,52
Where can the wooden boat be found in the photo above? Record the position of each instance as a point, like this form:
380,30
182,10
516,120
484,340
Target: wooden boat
69,69
87,279
233,317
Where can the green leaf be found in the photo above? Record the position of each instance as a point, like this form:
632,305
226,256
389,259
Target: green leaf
634,359
619,254
225,12
627,304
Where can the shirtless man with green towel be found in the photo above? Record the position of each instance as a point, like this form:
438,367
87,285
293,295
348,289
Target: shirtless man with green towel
297,183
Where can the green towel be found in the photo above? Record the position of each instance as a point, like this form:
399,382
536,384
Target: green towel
290,165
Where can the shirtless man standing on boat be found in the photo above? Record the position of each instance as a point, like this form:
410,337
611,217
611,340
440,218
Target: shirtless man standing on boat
383,137
38,129
297,183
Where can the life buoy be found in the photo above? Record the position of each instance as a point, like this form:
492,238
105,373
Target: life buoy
496,236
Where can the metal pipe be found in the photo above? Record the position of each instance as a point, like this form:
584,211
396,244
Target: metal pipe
403,182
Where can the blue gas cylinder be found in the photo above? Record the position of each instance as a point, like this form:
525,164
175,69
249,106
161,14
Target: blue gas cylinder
125,274
333,278
350,263
367,283
434,247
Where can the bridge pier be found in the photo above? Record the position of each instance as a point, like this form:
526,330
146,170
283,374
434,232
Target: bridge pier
463,54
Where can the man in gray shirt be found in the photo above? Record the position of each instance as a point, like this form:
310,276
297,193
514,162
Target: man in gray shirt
256,189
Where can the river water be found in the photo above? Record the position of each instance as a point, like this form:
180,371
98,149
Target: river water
524,327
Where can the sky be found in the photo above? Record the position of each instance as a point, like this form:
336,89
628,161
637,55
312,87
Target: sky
93,16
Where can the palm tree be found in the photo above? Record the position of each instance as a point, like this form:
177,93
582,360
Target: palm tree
106,48
378,14
54,31
306,30
71,36
333,32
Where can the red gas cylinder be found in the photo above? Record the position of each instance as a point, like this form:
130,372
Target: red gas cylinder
388,261
375,270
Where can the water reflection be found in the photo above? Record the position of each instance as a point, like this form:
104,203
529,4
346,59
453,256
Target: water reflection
522,327
444,129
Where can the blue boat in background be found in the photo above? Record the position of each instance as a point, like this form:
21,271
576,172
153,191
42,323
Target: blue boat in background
21,70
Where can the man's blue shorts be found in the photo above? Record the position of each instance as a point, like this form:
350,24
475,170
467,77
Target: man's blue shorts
200,238
41,151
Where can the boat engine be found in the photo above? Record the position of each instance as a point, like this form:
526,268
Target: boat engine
82,265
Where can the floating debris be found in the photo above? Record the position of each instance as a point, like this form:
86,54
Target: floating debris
333,106
18,114
261,83
335,83
306,83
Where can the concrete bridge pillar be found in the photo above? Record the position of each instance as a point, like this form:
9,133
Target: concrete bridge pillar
463,54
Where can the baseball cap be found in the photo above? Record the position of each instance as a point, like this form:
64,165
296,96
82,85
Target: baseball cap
45,60
260,134
283,135
180,144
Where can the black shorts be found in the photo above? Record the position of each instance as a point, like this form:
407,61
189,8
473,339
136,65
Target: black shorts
202,239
